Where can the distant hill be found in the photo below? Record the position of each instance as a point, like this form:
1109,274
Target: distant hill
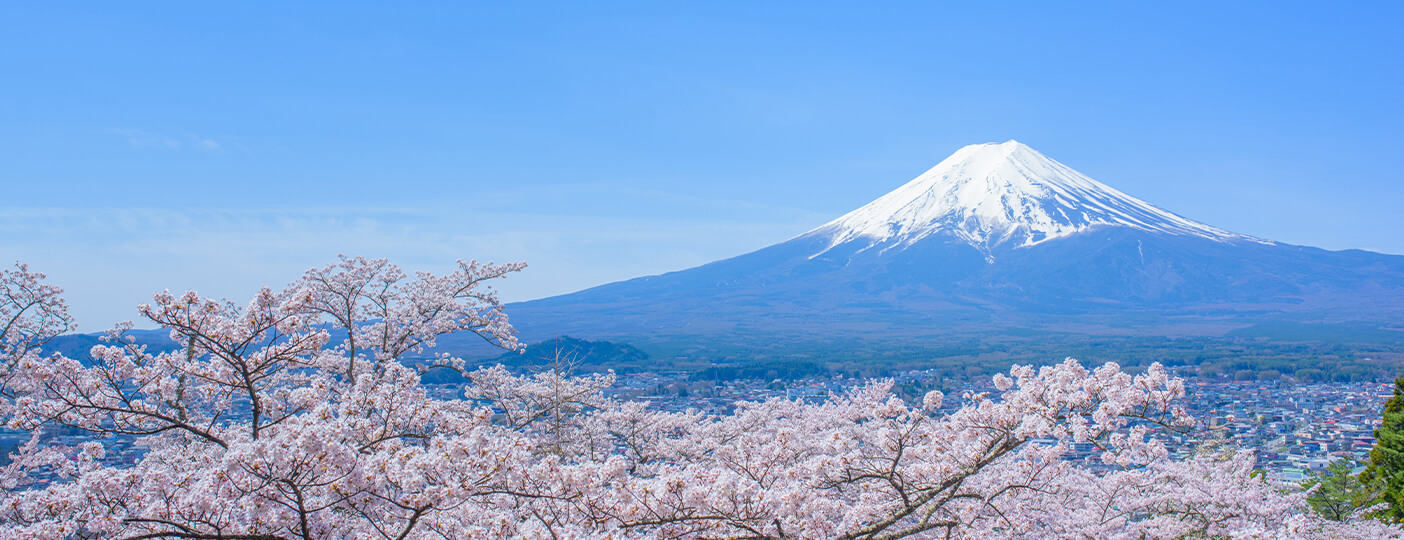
576,352
77,345
576,355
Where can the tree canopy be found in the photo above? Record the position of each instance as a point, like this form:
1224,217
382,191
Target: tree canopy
261,426
1387,457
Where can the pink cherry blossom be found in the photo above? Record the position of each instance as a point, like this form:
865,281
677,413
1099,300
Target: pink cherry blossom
300,415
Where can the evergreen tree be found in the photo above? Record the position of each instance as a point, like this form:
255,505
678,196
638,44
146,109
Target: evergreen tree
1387,458
1340,495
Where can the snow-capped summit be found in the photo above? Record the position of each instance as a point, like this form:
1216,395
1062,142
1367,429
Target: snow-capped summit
1006,193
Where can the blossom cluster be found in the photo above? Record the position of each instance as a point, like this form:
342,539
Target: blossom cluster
298,415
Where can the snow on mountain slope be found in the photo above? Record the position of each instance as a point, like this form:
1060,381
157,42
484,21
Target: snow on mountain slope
999,194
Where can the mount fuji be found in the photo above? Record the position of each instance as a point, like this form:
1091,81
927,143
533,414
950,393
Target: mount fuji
996,236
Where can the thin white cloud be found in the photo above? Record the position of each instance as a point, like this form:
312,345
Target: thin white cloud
137,138
142,139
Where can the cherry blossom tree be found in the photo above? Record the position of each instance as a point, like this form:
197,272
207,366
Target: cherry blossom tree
300,415
31,313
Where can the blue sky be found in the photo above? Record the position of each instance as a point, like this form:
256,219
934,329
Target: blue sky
223,145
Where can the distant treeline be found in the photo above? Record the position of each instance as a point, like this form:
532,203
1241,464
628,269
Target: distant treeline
957,359
742,356
762,370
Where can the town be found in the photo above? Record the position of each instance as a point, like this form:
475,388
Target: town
1296,430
